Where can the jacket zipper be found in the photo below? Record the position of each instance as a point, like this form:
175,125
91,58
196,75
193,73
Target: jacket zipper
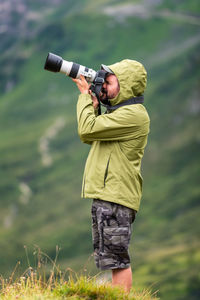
106,172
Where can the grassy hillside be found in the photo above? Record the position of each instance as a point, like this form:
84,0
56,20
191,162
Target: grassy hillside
42,158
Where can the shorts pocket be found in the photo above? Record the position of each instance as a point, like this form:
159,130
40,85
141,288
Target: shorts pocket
116,239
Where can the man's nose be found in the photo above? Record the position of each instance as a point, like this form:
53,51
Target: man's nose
104,85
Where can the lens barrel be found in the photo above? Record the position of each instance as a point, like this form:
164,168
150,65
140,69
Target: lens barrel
53,62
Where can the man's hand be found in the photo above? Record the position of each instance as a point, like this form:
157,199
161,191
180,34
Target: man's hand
94,100
82,84
84,88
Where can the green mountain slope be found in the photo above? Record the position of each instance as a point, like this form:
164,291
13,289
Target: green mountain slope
42,158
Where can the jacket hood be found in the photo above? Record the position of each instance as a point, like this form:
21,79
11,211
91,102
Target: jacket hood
132,78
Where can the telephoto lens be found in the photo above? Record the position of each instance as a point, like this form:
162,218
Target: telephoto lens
55,63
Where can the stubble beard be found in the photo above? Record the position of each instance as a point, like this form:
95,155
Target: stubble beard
104,96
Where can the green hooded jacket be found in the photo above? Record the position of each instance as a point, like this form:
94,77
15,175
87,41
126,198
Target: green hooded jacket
118,139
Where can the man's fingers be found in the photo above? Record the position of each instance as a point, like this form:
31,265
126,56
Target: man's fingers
81,79
76,80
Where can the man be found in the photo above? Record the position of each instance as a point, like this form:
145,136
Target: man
112,172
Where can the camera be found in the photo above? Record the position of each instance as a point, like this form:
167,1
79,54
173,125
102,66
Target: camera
55,63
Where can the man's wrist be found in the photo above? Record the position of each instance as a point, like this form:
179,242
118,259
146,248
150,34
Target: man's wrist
85,92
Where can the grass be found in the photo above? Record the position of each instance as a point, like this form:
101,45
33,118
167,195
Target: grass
44,283
82,287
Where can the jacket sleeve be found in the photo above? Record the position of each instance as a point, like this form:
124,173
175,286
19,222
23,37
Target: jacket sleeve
121,125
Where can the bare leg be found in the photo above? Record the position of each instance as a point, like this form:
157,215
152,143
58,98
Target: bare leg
123,278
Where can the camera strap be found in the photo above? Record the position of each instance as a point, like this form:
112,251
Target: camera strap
134,100
97,86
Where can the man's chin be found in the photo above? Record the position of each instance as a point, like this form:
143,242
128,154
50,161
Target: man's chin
104,100
103,97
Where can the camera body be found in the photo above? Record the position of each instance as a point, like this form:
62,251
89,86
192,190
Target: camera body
55,63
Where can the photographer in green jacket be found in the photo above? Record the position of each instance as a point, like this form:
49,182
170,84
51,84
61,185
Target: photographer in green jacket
112,172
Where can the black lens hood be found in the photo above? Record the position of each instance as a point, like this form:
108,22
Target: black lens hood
53,62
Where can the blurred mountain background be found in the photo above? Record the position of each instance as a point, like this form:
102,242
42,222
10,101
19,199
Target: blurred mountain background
42,158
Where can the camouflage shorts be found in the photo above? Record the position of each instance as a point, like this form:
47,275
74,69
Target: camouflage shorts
111,233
